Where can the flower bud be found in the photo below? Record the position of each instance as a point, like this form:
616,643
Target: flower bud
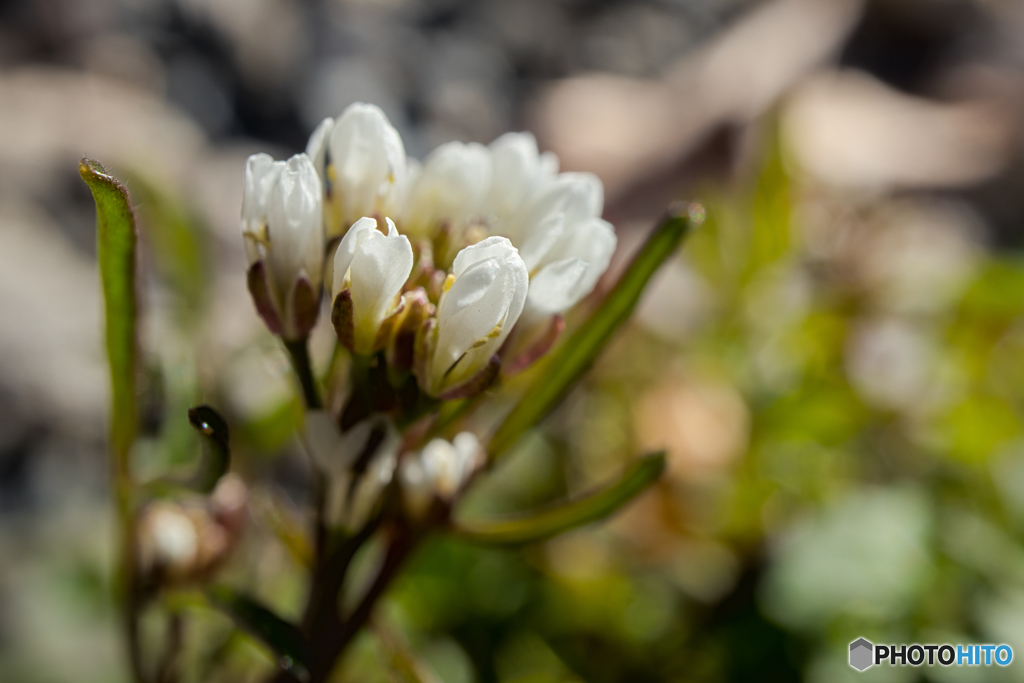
362,162
485,296
440,469
371,268
282,225
450,189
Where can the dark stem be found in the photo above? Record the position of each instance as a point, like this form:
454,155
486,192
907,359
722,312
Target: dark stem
298,351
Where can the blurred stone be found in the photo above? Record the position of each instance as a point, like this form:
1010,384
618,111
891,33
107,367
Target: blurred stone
626,129
851,131
126,58
50,118
50,350
266,35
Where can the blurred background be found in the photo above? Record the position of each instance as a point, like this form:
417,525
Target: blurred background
835,362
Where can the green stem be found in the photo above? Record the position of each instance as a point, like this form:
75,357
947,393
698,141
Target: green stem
298,351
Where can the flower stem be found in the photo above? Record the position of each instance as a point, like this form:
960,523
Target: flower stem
298,351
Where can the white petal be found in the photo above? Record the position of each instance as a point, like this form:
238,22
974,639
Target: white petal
451,187
368,159
578,196
379,269
514,161
316,148
478,312
556,288
592,240
295,227
541,240
346,251
261,174
501,249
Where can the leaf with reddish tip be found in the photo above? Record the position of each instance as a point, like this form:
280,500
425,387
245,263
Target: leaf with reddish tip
256,279
115,250
341,318
537,348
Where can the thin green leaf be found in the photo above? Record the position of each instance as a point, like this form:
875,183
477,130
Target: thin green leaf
283,637
115,251
217,457
560,518
558,372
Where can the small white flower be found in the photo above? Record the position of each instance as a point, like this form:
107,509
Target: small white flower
361,159
571,268
282,225
518,170
563,241
477,312
373,267
450,188
440,469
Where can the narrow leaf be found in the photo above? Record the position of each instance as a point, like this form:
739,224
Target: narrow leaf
217,455
558,372
557,519
283,637
115,251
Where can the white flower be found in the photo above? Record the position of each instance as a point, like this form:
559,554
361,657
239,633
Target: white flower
571,268
450,188
440,469
361,159
373,268
282,225
486,296
518,169
563,241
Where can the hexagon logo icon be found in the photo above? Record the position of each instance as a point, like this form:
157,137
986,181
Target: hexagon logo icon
861,652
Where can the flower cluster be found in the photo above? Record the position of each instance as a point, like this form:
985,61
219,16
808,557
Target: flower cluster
445,271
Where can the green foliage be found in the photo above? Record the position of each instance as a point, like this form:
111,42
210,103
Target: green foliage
115,250
562,517
558,372
283,638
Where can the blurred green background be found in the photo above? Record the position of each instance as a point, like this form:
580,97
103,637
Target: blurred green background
834,361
